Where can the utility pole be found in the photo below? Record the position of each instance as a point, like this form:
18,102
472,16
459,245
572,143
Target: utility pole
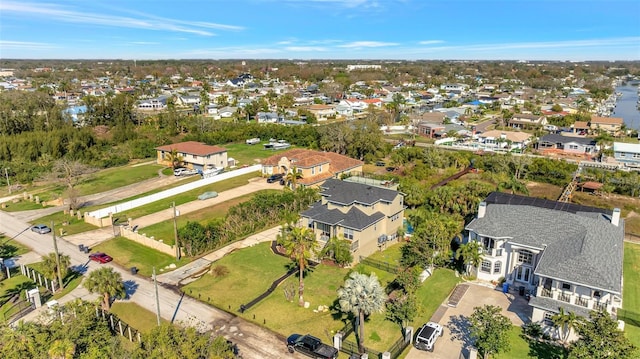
55,249
155,284
6,174
175,230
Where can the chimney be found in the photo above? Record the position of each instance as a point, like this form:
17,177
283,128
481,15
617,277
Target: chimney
482,209
615,218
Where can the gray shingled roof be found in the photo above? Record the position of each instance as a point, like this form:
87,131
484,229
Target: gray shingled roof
582,247
354,218
553,305
348,193
555,138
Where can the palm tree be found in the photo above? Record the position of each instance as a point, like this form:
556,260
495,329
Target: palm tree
338,249
50,267
106,282
292,177
470,253
175,158
361,295
300,245
564,323
62,349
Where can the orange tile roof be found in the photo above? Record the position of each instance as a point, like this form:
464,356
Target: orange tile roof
580,124
192,148
304,158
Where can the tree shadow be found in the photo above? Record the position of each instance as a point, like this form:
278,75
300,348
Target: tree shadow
75,272
542,350
130,288
8,250
459,327
78,269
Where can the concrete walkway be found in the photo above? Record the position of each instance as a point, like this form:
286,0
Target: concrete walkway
185,274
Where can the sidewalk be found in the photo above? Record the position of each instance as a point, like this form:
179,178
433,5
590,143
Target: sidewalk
183,275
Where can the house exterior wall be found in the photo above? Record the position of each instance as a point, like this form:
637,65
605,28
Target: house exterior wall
194,161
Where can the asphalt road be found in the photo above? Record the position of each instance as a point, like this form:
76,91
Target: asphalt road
252,340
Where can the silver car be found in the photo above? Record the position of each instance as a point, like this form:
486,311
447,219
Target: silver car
41,228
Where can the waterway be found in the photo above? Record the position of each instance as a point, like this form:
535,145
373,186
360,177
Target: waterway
627,105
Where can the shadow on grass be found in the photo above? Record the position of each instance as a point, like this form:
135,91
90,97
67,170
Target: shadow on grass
542,350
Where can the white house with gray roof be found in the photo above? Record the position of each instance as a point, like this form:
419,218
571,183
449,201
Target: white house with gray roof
566,255
367,215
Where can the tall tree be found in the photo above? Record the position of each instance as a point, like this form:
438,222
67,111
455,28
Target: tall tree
600,338
361,295
172,341
300,245
50,266
490,330
174,157
338,249
470,254
292,177
62,349
564,323
107,282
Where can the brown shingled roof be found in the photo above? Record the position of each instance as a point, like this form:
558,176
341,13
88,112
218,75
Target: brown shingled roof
607,120
192,148
304,158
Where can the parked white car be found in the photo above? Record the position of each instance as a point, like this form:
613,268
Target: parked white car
427,335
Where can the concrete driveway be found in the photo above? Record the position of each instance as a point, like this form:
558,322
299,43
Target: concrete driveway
456,324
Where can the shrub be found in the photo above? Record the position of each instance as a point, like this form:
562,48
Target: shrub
219,271
533,330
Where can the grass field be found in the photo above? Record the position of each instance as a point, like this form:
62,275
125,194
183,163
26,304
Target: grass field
136,316
69,224
9,288
128,253
249,154
251,271
10,248
116,177
164,230
524,348
631,292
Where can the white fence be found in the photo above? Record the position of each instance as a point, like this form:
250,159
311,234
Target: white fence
122,207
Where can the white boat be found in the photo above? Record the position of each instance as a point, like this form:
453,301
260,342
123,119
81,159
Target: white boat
211,170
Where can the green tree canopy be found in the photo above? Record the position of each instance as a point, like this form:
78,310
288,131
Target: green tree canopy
490,330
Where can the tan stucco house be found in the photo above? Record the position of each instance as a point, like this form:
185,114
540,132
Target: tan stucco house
314,166
195,155
366,215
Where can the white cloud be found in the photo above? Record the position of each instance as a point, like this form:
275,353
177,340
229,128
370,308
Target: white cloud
430,42
25,45
145,21
360,44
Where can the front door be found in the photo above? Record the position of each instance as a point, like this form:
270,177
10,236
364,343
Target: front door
523,274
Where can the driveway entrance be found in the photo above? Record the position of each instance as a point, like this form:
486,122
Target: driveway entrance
456,324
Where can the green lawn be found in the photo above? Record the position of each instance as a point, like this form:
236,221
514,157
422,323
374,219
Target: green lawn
249,154
72,225
128,253
15,285
631,292
251,271
187,196
22,205
116,177
391,254
10,248
136,316
524,348
164,230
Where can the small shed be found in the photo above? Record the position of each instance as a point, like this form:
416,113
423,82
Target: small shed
590,186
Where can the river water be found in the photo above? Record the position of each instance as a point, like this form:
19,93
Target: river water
626,106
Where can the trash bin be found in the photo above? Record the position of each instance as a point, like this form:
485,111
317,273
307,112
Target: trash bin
134,270
81,247
521,290
505,287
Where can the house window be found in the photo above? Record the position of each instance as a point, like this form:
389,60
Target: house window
636,155
597,294
310,224
348,234
313,170
497,267
395,217
354,246
195,157
320,169
548,318
573,147
525,257
485,267
566,286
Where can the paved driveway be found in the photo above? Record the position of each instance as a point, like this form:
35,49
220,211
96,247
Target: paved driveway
456,324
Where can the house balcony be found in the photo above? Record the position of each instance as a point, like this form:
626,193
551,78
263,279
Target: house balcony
563,297
583,302
544,292
574,299
492,252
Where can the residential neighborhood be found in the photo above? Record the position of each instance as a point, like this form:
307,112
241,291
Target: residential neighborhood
258,200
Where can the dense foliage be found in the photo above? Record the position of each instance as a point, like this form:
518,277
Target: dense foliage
263,210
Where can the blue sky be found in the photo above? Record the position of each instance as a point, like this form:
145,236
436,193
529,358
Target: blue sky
321,29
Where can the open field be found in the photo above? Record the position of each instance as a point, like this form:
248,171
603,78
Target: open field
136,316
249,154
631,292
128,253
524,348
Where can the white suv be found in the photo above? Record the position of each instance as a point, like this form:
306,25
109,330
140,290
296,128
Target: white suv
427,336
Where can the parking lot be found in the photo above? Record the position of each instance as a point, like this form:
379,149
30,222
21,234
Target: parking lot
456,324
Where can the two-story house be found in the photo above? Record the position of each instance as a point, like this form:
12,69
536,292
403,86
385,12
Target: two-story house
366,215
314,166
527,121
610,125
568,144
195,155
567,255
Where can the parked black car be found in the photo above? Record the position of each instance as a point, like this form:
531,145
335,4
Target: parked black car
311,346
275,178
